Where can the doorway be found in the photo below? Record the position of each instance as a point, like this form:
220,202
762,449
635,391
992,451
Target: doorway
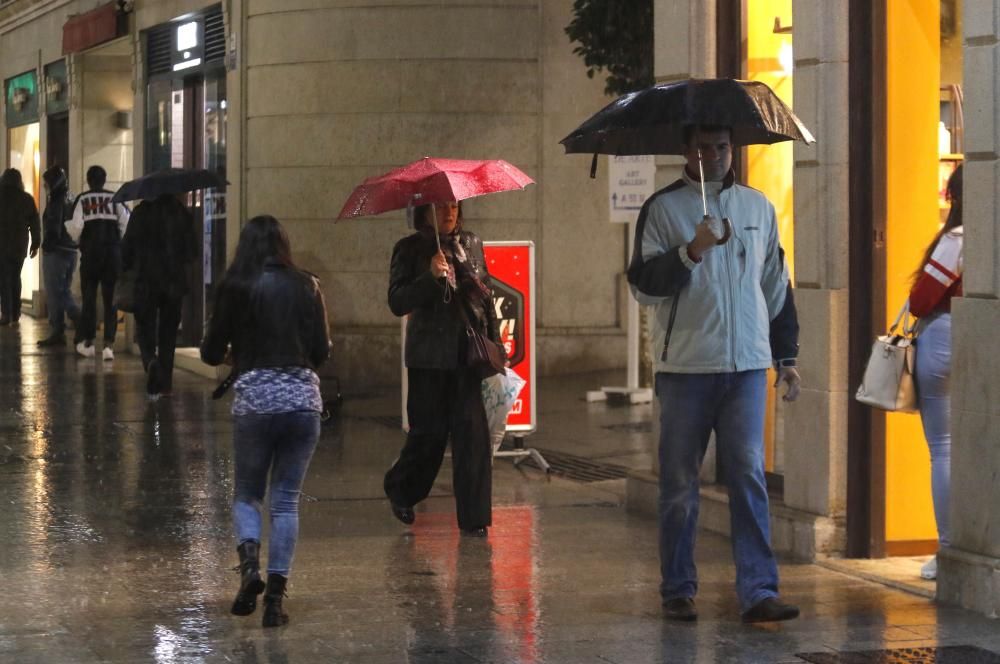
24,155
906,60
186,128
57,141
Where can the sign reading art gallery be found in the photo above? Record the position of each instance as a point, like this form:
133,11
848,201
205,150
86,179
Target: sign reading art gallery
21,95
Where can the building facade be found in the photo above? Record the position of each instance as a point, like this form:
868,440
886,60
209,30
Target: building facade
298,102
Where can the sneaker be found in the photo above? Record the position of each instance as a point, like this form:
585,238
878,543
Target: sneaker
929,569
85,349
108,354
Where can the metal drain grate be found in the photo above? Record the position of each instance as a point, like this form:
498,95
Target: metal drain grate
578,468
630,427
942,655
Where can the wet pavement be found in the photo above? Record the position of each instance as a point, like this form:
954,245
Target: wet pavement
118,545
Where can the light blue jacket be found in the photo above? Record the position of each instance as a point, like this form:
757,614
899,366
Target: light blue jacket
727,301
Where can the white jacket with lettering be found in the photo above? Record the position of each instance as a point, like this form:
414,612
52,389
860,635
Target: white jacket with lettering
728,301
96,221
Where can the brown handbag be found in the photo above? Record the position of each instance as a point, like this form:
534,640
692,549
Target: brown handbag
482,352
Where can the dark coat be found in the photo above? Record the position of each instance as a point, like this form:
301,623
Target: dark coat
160,243
435,330
18,220
280,321
57,211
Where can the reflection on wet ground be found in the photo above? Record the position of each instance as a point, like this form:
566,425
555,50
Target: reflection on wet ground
118,547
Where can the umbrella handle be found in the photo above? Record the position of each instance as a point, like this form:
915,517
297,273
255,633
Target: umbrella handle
701,179
437,238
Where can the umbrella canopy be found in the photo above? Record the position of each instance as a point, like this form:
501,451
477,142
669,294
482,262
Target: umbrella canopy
431,180
168,181
652,121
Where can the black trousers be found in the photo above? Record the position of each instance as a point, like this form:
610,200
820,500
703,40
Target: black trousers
442,403
157,320
10,288
99,269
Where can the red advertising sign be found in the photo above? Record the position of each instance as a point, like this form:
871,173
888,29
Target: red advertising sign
512,269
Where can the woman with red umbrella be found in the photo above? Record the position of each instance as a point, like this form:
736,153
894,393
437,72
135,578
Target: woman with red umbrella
438,277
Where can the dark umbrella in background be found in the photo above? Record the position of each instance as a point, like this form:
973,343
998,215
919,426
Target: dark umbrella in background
168,181
652,121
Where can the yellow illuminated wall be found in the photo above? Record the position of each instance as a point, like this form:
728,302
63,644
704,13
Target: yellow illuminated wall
769,168
912,82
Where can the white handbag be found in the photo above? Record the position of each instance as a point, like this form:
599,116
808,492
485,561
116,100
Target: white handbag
889,377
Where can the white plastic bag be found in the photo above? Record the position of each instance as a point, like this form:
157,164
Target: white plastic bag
499,394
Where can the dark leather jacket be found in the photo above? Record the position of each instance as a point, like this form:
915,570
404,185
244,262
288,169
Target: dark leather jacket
435,330
279,322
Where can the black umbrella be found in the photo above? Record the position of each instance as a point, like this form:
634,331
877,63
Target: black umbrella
168,181
652,121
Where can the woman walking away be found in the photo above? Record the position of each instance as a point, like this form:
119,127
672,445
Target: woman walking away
936,282
159,244
271,318
444,291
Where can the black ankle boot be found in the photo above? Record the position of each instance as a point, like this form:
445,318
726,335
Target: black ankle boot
274,615
251,584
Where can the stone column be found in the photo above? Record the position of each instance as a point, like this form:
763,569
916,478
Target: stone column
815,496
969,570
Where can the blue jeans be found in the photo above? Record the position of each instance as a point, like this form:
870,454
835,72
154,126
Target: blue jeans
691,406
933,373
282,443
57,270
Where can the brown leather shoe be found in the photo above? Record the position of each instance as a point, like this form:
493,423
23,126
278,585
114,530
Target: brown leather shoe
770,610
680,608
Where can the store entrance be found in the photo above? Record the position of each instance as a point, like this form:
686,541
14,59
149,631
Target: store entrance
57,141
24,156
186,128
913,94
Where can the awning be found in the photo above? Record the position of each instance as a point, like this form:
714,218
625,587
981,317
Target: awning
92,28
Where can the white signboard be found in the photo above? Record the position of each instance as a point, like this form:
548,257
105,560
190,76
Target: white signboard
630,183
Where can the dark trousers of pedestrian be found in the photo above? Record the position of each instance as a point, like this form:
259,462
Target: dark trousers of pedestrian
57,270
442,403
157,320
10,288
99,271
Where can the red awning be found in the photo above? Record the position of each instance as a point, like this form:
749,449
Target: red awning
95,27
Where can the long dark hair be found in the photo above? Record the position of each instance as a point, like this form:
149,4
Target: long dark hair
954,220
262,240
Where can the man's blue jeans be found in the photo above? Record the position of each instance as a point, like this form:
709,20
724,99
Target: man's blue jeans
691,406
57,270
282,443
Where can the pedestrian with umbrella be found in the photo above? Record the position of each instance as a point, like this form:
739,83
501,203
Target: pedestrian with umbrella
158,251
439,279
708,259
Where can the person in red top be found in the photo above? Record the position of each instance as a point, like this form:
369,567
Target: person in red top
935,283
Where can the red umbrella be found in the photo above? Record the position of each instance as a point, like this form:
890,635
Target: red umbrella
430,180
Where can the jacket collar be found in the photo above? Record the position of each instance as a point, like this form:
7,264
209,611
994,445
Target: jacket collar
714,187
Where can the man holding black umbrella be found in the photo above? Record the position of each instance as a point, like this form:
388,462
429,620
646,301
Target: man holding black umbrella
711,264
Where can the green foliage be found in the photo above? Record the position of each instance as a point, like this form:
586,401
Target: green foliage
615,36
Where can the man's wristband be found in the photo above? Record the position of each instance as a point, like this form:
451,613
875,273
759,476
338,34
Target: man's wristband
787,362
